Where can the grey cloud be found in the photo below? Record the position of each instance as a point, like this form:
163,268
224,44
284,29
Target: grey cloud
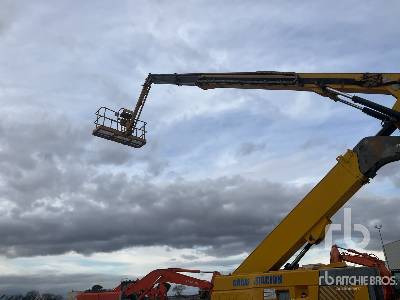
7,15
56,193
111,154
314,142
370,211
189,257
226,211
249,148
392,172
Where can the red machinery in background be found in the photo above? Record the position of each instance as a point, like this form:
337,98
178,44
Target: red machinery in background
364,259
154,285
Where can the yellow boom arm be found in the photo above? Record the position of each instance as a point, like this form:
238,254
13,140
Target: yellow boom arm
365,83
306,223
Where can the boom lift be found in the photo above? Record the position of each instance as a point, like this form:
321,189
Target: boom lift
260,274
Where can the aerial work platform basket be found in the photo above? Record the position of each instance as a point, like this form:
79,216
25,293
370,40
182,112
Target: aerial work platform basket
119,126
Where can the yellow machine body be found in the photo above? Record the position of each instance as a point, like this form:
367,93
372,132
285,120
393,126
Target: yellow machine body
283,285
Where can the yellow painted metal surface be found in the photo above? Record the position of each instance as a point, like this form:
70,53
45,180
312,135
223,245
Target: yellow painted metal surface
299,284
274,279
255,286
396,93
300,226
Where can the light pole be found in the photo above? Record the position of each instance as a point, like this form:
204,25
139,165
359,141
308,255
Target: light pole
379,227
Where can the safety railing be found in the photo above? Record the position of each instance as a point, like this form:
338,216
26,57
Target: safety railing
115,125
111,118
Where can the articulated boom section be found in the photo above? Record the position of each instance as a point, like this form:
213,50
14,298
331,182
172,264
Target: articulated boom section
306,223
124,126
368,83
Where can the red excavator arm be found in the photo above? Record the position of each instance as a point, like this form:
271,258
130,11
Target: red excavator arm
146,285
154,285
363,259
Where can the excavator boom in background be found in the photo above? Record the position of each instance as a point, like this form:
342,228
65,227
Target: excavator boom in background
260,273
364,259
153,286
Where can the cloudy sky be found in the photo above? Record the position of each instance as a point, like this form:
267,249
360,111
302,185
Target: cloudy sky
221,167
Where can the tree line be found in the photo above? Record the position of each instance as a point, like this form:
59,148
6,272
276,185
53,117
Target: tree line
32,295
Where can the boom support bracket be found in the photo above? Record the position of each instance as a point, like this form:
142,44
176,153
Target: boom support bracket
375,152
